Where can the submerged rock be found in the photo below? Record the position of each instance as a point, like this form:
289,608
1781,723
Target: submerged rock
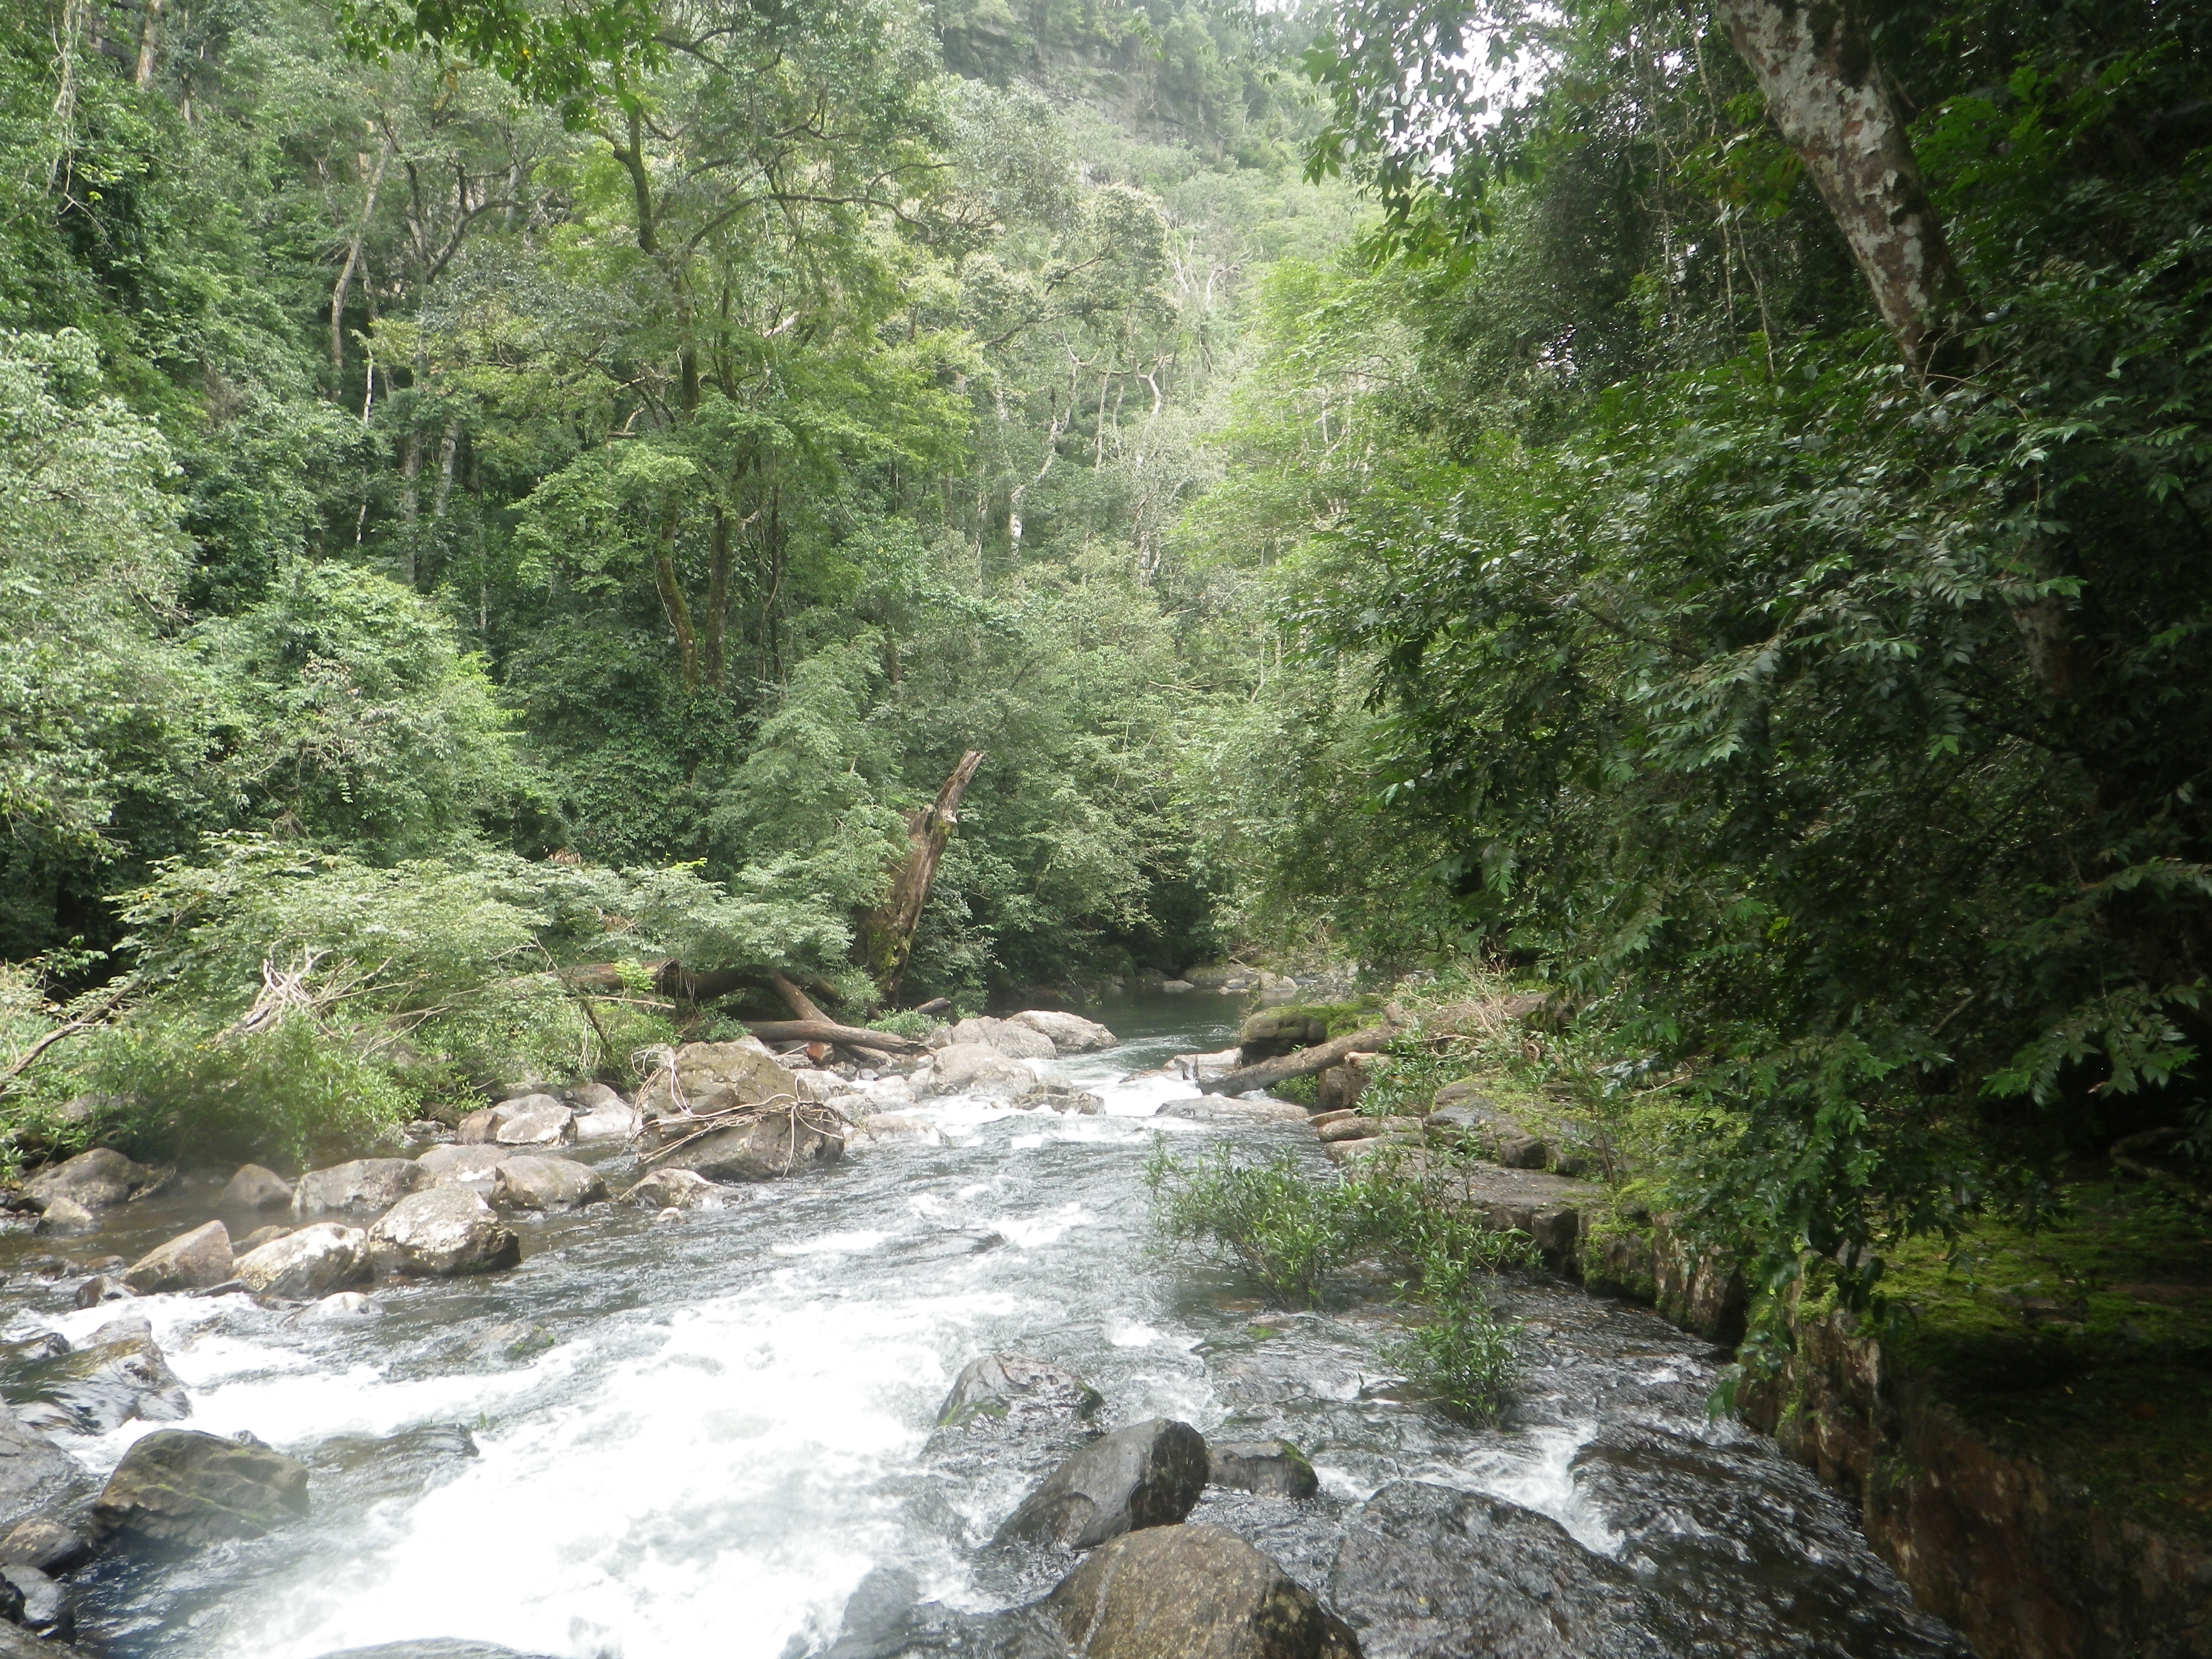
1015,1390
341,1307
757,1149
117,1376
1192,1593
676,1190
1273,1469
1070,1034
442,1232
1148,1474
62,1215
98,1180
179,1487
357,1189
37,1478
309,1263
254,1188
546,1183
192,1262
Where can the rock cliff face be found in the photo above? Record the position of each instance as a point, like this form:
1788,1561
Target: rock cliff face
2021,1561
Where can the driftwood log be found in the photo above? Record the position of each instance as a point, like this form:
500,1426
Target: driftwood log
1302,1062
824,1031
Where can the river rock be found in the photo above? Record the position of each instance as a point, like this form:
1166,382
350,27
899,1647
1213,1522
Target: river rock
442,1232
62,1215
473,1165
45,1544
676,1190
1273,1032
357,1189
438,1647
178,1487
191,1261
310,1263
46,1609
757,1149
525,1121
1013,1040
254,1188
976,1068
601,1114
37,1478
1066,1098
1233,1108
1014,1390
98,1180
260,1235
341,1307
119,1374
1192,1593
1444,1574
594,1096
699,1073
1069,1034
1273,1469
897,1126
98,1289
546,1183
1148,1474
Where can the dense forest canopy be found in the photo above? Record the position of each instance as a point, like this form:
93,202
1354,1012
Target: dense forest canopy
494,488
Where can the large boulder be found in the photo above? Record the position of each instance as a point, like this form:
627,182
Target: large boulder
1070,1034
601,1114
190,1261
98,1180
528,1182
757,1149
46,1609
118,1374
253,1190
1439,1572
360,1188
1013,1040
676,1190
180,1488
1273,1469
1013,1390
442,1232
1148,1474
463,1166
974,1068
37,1478
1192,1593
701,1074
306,1265
525,1121
45,1543
1273,1032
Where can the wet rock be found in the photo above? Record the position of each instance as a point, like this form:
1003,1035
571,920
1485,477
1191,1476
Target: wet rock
100,1288
533,1120
1063,1097
1273,1469
676,1190
436,1647
118,1374
587,1098
1069,1034
180,1488
1200,1068
1148,1474
512,1339
897,1126
341,1307
699,1073
62,1215
37,1478
440,1233
530,1182
17,1643
98,1180
260,1235
311,1262
365,1185
254,1188
1430,1571
1223,1109
758,1149
601,1114
191,1261
1194,1593
45,1610
1015,1390
1004,1036
877,1622
45,1544
964,1068
472,1166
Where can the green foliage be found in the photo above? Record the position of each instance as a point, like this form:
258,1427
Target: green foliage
1279,1225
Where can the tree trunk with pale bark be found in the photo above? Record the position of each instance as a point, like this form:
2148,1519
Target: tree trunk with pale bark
886,933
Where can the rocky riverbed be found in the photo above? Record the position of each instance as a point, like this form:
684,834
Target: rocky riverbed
908,1398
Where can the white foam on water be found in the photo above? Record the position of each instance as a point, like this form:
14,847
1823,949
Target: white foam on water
1535,1470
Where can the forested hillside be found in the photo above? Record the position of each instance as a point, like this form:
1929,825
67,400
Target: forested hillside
498,492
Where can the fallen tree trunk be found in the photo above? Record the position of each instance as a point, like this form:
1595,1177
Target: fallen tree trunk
1302,1062
824,1031
886,933
803,1006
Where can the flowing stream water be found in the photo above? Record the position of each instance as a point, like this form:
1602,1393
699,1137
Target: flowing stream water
723,1423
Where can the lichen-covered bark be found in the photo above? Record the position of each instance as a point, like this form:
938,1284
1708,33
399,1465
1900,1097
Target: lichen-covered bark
1824,90
886,933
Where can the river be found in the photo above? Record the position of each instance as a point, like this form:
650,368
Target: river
720,1425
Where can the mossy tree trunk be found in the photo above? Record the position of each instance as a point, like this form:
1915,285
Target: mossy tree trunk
886,933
